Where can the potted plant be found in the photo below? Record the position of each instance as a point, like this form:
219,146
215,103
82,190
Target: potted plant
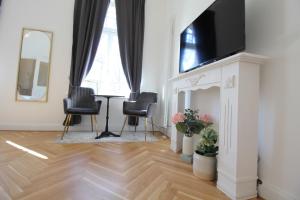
188,123
204,159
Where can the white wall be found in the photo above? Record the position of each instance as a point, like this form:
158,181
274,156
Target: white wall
206,102
272,29
46,15
53,15
155,61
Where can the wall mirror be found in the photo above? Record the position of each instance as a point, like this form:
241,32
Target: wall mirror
34,65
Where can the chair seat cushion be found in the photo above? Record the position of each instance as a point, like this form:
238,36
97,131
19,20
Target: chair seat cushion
83,111
141,113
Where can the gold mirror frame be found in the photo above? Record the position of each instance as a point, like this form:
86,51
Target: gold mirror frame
44,81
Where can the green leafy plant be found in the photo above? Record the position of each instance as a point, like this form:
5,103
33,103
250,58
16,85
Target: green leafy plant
189,122
207,143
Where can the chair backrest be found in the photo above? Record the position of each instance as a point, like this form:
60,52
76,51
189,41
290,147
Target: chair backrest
82,97
145,98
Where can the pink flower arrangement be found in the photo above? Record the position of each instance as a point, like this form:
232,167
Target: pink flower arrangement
206,119
178,117
190,123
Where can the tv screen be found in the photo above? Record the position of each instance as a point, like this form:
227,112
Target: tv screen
217,33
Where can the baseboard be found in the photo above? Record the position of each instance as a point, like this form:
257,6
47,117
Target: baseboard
241,188
163,130
31,127
43,127
270,191
59,127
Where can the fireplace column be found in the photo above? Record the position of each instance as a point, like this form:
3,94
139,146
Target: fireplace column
179,98
187,99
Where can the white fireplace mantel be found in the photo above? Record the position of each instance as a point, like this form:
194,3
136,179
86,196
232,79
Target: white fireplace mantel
237,77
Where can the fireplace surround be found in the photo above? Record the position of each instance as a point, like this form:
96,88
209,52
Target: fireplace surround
237,78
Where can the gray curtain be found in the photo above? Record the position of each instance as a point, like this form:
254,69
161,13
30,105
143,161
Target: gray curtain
88,23
130,24
89,16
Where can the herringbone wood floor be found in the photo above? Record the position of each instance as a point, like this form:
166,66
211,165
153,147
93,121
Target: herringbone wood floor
95,171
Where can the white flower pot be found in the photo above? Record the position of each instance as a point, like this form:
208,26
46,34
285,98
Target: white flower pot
204,167
187,146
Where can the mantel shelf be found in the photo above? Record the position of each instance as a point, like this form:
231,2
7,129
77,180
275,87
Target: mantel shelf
242,57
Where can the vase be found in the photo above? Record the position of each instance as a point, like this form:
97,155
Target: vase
204,167
187,145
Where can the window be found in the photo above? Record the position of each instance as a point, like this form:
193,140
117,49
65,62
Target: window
106,75
190,38
191,55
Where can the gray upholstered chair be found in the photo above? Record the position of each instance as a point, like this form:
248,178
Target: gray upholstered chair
81,102
144,107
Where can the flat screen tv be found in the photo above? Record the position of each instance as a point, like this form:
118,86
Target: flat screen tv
217,33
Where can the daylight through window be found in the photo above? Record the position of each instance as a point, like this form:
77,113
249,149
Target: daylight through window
106,75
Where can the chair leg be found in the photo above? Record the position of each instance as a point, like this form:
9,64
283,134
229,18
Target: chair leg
69,121
124,124
66,128
152,126
136,119
92,123
94,117
66,123
146,129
